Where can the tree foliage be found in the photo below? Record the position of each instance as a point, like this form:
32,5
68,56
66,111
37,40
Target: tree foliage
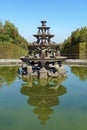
78,36
9,33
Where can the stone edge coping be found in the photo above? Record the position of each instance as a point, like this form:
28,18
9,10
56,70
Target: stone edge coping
4,62
18,61
76,61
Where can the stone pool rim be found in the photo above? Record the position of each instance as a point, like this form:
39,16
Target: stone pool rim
5,62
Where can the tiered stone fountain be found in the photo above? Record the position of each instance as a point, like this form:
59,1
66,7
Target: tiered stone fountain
43,59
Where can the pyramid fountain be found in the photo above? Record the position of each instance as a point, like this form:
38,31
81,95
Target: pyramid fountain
44,59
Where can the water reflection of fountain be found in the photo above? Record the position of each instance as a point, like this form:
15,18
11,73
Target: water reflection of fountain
43,94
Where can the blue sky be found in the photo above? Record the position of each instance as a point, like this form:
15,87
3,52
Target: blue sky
63,16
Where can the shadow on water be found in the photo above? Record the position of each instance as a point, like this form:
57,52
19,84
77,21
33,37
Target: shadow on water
43,94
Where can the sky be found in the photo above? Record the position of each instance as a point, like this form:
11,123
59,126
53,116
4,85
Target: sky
63,16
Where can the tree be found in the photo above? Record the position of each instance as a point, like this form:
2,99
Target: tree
11,31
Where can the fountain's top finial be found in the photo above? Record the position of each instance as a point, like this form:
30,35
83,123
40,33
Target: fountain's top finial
43,23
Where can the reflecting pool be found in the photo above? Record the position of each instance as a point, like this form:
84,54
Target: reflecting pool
48,104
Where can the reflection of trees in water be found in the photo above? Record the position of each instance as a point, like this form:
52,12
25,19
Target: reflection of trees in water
80,72
1,81
8,74
43,96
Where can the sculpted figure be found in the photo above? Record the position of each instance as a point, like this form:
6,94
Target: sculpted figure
43,52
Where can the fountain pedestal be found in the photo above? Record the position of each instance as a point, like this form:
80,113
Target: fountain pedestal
43,73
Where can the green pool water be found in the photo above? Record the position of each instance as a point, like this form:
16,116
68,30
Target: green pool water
52,104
